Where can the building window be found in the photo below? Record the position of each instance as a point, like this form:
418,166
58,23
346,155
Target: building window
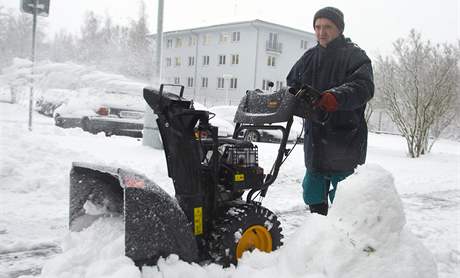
279,85
273,39
220,82
206,39
178,42
177,80
169,43
233,83
189,81
265,86
204,82
205,60
221,59
191,41
235,59
303,44
273,43
168,61
235,36
224,37
271,61
177,61
191,60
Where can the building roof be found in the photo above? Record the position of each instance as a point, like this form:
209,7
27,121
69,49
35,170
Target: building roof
256,22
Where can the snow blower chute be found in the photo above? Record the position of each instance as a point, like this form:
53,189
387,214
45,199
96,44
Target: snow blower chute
208,220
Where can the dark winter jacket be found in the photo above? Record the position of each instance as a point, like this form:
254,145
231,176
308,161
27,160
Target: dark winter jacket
345,70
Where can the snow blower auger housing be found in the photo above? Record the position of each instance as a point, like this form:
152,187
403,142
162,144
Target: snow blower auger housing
208,220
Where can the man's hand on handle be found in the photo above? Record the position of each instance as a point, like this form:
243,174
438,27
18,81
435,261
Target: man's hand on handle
327,102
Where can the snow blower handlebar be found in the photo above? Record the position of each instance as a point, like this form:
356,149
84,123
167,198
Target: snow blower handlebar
292,101
172,85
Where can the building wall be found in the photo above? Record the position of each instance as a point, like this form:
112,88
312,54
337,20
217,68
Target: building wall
290,52
251,69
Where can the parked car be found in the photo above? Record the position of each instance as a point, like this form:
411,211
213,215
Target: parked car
225,128
119,117
48,101
227,113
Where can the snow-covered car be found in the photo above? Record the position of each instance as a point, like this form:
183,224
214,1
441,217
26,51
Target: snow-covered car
49,100
225,128
227,112
121,116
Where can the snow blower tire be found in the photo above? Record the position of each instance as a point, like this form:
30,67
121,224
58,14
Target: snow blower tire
241,228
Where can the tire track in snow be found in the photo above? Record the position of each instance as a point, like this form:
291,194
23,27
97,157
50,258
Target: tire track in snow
26,262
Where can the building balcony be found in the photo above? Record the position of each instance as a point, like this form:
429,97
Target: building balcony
274,46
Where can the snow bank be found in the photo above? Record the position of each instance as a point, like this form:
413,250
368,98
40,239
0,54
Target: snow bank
96,252
364,236
65,77
69,76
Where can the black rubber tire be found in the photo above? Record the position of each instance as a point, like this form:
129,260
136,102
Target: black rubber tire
58,121
86,126
252,135
222,243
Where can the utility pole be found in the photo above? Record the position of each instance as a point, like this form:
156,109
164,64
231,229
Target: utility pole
151,134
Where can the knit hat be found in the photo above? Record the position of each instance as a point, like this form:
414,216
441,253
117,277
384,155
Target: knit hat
333,14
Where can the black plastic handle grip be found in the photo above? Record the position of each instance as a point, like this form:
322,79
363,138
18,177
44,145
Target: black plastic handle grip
172,85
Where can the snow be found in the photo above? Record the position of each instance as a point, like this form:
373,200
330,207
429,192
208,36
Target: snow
395,217
87,254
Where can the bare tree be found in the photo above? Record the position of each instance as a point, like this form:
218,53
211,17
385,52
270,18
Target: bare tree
420,87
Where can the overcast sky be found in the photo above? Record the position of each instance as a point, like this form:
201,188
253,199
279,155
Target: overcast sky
372,24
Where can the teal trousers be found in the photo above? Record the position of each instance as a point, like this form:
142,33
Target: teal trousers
317,186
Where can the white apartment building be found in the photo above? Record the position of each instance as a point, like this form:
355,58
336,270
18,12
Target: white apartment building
217,64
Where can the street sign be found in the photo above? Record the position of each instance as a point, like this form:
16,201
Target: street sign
43,7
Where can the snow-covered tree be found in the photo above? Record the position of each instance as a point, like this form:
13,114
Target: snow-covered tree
139,48
63,47
101,43
420,88
16,36
91,43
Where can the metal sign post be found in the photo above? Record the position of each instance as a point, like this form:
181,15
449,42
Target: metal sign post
34,7
32,58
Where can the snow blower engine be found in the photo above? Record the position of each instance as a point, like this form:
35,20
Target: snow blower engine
208,220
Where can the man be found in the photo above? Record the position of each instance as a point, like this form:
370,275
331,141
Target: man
343,73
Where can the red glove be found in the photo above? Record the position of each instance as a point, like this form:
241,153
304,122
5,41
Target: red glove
327,102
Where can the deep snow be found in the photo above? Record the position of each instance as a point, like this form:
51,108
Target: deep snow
364,235
396,217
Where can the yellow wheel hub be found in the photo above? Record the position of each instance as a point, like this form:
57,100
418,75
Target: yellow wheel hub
256,236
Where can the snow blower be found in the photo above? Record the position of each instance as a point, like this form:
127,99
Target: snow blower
208,220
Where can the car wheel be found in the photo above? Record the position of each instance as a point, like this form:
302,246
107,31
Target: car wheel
58,120
86,125
252,136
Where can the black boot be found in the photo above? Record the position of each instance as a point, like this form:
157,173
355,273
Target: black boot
321,208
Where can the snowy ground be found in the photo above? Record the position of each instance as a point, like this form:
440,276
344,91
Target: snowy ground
382,215
33,216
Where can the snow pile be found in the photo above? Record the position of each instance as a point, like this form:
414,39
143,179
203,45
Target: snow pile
60,82
69,76
93,253
364,236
